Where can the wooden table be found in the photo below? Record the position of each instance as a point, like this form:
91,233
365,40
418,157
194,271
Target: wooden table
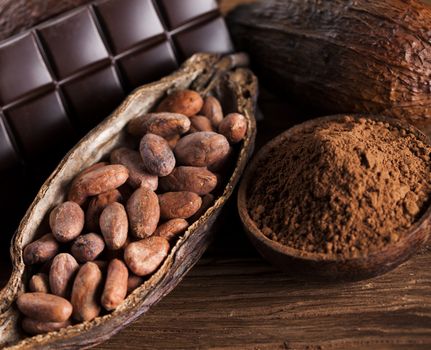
234,300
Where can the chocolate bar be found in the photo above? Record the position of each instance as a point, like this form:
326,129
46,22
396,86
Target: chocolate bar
62,77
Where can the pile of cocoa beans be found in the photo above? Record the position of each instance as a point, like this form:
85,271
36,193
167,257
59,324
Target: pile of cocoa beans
122,216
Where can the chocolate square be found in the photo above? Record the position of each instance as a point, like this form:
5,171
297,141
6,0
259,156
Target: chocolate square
41,125
148,64
212,37
22,68
93,97
179,12
73,43
129,22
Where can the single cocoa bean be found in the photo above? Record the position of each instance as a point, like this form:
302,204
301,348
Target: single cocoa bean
145,256
200,123
157,157
39,283
171,229
167,124
44,307
115,290
114,225
233,127
201,149
185,102
97,181
41,250
86,292
132,160
207,202
212,110
87,247
144,212
133,282
96,206
186,178
63,269
35,327
178,205
66,221
87,170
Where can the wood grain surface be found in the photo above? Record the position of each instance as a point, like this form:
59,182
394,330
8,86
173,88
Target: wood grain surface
234,300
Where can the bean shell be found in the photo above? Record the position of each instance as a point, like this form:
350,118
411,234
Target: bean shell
201,149
87,247
157,157
44,307
145,256
185,102
86,292
178,205
143,211
115,290
114,225
66,221
61,275
185,178
212,110
97,181
132,160
41,250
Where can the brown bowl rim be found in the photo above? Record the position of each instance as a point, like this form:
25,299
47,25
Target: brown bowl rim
252,228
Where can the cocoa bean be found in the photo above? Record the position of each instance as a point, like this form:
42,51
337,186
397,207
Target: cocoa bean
167,125
86,292
96,206
114,225
133,282
185,102
157,157
97,181
233,127
87,247
200,123
66,221
35,327
201,149
143,211
44,307
145,256
171,229
115,290
63,270
178,205
212,110
185,178
39,283
41,250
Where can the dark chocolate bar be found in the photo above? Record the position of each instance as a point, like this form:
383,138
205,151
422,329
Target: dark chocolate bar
62,77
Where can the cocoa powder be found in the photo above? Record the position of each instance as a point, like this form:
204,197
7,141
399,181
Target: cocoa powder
342,188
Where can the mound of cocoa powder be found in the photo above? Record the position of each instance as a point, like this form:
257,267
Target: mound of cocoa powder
342,188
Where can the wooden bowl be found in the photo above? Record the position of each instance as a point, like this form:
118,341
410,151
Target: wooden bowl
317,266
